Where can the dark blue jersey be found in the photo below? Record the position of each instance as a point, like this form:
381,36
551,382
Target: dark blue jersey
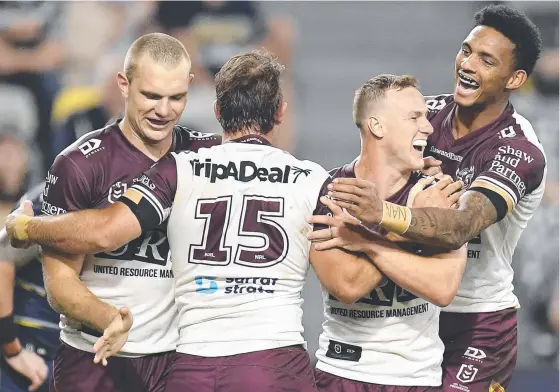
37,322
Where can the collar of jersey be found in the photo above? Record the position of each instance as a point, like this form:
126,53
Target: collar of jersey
251,139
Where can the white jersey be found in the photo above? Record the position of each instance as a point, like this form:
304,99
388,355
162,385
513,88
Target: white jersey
92,173
389,337
237,232
506,159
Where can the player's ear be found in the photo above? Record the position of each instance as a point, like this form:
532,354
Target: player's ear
123,83
217,110
375,127
191,78
516,80
279,117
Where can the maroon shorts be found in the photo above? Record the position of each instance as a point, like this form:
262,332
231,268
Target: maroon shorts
480,350
277,370
74,371
327,382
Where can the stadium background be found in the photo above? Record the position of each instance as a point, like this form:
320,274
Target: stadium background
65,86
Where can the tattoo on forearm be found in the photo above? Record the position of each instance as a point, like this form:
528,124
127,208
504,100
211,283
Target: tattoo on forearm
452,228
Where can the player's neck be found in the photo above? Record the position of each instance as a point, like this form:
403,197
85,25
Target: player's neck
154,151
375,166
231,136
471,119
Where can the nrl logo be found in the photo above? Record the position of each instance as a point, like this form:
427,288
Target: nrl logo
117,190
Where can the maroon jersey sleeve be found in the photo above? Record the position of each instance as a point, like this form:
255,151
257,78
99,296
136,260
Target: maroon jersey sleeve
153,193
511,170
66,189
320,208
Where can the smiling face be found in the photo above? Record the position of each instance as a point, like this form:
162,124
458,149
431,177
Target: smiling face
156,97
402,115
483,67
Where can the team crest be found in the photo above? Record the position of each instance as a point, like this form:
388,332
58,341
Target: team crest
467,373
116,191
495,387
466,175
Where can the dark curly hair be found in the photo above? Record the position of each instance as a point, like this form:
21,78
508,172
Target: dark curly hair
518,28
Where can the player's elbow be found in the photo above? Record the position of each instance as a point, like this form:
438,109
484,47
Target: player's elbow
351,291
54,304
347,296
442,299
444,294
102,242
53,297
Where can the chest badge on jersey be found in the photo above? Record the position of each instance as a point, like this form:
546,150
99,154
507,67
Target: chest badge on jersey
116,191
466,175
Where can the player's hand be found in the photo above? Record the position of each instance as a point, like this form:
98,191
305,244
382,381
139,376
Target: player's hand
114,337
444,194
432,167
345,231
31,366
359,197
16,225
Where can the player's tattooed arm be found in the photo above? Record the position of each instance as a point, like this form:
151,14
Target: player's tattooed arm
444,227
452,228
68,295
78,232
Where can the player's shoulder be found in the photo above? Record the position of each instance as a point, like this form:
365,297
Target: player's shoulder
435,103
344,171
90,149
516,135
187,139
311,168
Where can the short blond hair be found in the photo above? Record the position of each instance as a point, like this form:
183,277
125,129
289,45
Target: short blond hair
161,48
374,90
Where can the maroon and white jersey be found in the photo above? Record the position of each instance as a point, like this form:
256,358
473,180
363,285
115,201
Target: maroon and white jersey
505,159
92,173
389,337
237,231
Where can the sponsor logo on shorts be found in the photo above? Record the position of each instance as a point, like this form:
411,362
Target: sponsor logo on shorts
475,353
91,147
495,387
466,373
116,191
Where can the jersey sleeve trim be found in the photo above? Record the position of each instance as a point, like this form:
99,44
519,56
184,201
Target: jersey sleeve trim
151,199
495,186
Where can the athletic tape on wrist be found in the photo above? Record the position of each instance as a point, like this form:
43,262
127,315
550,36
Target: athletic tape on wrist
395,218
20,227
